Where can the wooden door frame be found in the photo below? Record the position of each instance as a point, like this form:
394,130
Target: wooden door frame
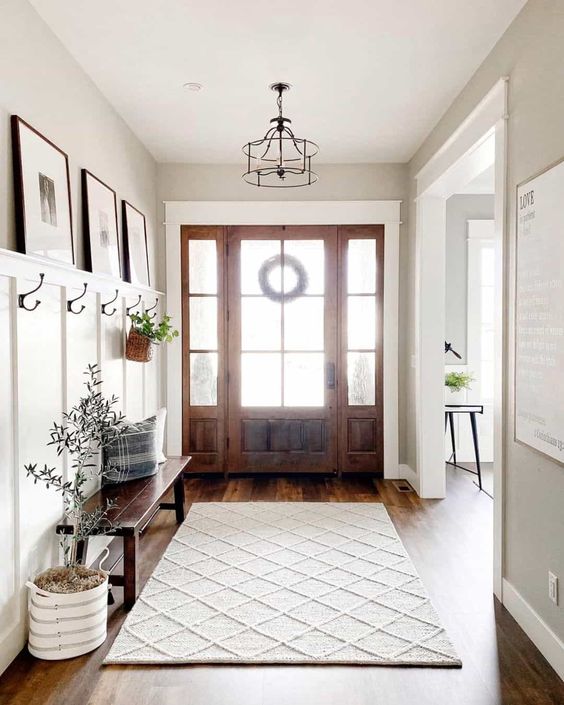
386,213
370,458
206,423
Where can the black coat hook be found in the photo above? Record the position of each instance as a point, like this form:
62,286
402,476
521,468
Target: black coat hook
108,303
22,297
128,308
70,302
152,307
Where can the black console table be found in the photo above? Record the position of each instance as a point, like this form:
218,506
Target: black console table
471,410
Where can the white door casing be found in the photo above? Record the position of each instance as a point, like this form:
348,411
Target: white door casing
477,143
387,213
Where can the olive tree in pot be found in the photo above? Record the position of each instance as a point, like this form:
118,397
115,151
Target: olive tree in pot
144,333
68,603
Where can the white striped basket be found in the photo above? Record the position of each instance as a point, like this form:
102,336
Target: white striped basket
63,625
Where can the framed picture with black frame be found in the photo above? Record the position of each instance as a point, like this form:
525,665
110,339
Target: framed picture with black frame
135,245
42,195
100,224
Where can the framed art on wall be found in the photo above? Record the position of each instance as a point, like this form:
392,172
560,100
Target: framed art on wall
539,313
99,215
42,195
135,245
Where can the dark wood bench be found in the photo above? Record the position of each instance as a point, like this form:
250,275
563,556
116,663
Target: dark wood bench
137,502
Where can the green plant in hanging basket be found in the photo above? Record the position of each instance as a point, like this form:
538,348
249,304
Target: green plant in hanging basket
457,381
161,332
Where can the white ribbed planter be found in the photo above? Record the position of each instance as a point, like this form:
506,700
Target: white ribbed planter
63,625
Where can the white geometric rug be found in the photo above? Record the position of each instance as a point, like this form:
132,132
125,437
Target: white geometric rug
284,582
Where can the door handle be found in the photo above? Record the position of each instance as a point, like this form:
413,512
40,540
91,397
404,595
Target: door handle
330,380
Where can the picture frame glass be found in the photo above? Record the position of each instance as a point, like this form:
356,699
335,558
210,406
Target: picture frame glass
102,228
46,217
135,229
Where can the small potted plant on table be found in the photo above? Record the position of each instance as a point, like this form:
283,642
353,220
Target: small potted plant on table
144,333
457,382
68,605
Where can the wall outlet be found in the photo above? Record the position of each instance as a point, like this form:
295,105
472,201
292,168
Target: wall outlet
553,587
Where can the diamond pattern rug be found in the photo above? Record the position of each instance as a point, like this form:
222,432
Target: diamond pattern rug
284,582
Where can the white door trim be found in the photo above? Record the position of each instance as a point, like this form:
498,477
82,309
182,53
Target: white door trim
480,238
387,213
480,137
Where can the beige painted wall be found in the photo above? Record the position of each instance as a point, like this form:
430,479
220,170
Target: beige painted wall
41,82
531,53
337,182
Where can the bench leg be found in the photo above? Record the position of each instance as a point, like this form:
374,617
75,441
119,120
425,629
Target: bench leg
130,570
179,499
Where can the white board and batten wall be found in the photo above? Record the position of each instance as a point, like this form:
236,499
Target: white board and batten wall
539,312
44,354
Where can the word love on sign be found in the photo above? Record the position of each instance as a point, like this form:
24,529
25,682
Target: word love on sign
526,200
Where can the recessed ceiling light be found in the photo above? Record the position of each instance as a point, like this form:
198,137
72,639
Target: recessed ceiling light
192,86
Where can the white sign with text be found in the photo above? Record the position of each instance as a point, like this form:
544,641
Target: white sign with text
539,325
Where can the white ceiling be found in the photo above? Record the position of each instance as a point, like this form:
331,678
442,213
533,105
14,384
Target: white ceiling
371,77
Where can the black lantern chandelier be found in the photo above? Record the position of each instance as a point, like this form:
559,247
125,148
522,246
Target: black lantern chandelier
280,159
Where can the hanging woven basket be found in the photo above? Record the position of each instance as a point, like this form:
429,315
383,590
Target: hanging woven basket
138,348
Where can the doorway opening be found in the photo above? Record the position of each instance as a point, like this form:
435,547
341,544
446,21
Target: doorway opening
469,330
476,148
283,348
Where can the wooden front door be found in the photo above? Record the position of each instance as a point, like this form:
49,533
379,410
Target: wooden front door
282,308
282,348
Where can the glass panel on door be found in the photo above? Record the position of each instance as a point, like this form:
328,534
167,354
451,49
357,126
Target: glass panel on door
282,323
203,322
362,322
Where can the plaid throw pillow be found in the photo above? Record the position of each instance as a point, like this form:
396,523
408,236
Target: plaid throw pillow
133,455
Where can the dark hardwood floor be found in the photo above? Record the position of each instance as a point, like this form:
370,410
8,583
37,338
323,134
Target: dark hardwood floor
450,544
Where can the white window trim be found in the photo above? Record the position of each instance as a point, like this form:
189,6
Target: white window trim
480,235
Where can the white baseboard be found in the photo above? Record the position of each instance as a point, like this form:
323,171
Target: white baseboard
11,645
407,473
546,641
